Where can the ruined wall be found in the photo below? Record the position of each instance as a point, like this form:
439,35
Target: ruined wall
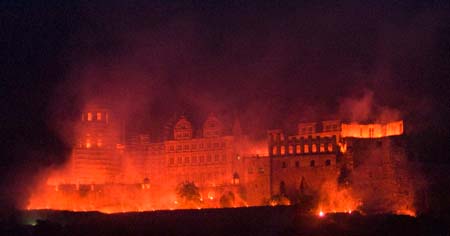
312,170
382,177
256,179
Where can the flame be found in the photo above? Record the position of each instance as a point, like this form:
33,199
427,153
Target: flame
334,199
321,214
372,130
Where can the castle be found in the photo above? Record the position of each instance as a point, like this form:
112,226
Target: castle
220,160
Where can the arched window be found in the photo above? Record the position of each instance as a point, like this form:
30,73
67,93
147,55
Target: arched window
314,147
236,178
330,147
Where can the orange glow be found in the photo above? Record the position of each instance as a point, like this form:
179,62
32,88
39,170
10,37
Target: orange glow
406,212
372,130
107,174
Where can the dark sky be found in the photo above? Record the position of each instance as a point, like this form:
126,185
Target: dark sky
271,65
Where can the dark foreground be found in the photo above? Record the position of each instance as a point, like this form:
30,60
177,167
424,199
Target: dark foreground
239,221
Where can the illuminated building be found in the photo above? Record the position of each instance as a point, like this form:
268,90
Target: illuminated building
208,160
220,160
97,153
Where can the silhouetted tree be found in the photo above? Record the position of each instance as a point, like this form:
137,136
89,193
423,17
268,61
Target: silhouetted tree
227,199
188,194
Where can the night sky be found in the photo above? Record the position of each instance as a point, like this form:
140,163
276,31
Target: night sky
271,65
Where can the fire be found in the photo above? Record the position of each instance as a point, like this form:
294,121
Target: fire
334,199
372,130
407,212
107,174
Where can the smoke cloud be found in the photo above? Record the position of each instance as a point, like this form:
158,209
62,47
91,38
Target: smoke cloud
269,66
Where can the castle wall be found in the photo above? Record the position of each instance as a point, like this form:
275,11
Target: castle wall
256,179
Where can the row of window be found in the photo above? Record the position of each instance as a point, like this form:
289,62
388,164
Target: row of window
331,128
298,150
90,116
92,143
194,146
259,170
197,159
306,130
312,163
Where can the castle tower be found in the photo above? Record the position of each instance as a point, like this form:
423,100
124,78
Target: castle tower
212,127
96,155
183,129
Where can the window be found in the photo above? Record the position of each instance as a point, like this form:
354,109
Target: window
179,160
216,157
327,162
99,142
283,165
224,157
194,159
261,170
235,178
283,150
171,161
274,150
312,163
330,147
297,164
306,148
297,149
186,160
291,149
194,146
322,147
202,158
99,116
89,118
201,146
178,147
314,147
250,170
216,145
208,158
88,143
186,147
